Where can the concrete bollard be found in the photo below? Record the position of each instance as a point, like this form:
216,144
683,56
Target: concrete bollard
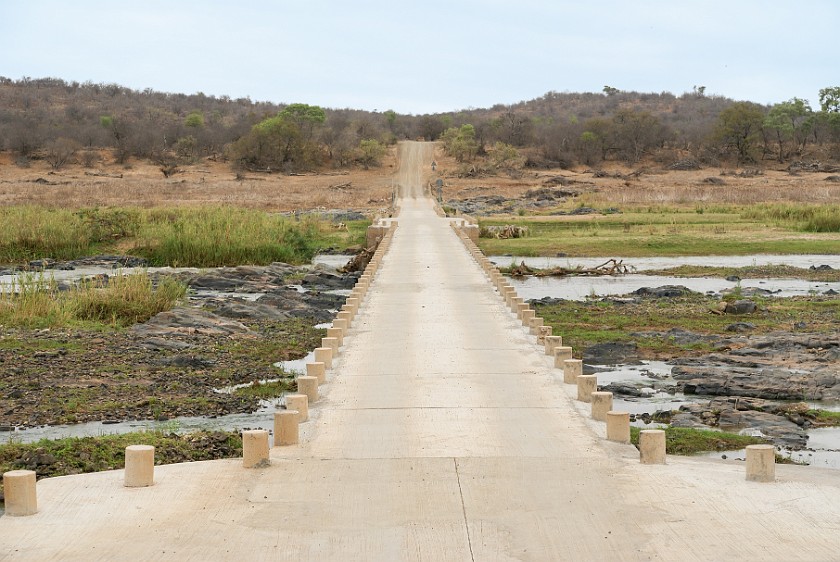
586,385
561,353
336,333
255,448
21,495
572,369
761,463
552,343
332,343
299,403
353,303
545,331
309,386
344,316
602,402
139,466
339,323
324,355
652,446
527,315
515,302
618,426
286,430
317,370
535,325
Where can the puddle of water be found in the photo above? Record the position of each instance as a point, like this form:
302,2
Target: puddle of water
298,366
253,297
579,288
644,264
333,261
263,418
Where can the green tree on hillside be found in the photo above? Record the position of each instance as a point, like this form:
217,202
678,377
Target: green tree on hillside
791,121
738,130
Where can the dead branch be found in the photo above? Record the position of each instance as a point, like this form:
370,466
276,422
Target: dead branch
610,267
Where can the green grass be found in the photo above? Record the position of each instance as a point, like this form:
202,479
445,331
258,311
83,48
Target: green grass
93,454
807,218
186,237
268,390
35,301
749,272
689,441
664,231
823,418
585,323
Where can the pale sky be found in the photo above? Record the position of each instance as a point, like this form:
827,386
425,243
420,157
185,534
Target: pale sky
433,56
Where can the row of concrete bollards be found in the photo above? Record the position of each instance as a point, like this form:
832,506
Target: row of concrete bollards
255,443
20,485
652,442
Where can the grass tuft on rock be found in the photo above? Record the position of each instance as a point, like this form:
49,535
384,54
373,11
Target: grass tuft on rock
689,441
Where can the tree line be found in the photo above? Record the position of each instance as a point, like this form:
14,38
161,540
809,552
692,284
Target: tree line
63,121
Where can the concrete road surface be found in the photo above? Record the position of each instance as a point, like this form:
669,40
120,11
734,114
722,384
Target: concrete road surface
443,433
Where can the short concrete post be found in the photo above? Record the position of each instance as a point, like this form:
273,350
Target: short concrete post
527,315
286,428
317,370
336,333
340,323
618,426
552,343
602,402
309,386
255,448
332,343
572,369
561,353
21,496
139,466
761,463
586,385
515,302
344,316
536,324
353,302
300,403
652,446
324,355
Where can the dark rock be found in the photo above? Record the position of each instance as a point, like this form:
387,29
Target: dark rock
831,292
733,278
740,327
161,344
823,267
685,419
780,430
327,280
247,310
624,389
665,291
739,307
184,320
611,353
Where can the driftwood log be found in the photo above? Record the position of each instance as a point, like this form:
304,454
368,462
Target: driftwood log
610,267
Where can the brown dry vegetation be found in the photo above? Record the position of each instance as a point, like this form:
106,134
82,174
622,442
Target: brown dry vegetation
647,185
206,183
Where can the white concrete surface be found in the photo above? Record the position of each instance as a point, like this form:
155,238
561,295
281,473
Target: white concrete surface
443,433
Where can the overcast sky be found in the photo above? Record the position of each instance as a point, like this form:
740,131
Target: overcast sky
432,56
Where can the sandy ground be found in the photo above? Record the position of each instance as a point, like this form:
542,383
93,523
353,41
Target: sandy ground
210,182
443,434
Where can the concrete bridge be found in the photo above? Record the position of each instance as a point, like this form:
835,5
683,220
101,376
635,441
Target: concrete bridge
442,431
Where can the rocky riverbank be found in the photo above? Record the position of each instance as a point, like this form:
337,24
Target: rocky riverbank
236,324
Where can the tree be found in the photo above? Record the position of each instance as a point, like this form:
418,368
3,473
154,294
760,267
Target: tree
830,99
504,156
610,91
636,132
460,142
372,152
739,128
791,121
194,120
59,151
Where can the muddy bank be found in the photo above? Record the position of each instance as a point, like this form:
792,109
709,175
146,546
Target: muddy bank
235,325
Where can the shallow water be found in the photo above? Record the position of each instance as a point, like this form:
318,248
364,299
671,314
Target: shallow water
646,264
579,288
